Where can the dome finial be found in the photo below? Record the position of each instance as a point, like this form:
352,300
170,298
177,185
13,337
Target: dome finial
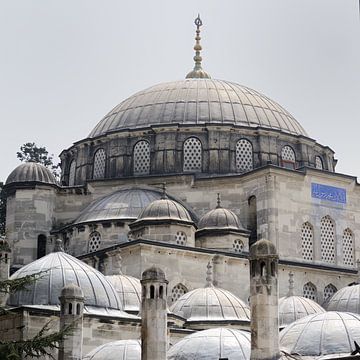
163,195
209,274
58,246
291,284
218,206
198,72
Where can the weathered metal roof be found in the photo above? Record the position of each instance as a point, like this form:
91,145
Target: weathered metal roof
346,299
116,350
196,102
220,218
213,344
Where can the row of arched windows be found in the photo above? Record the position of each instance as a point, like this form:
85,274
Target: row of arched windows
327,242
310,291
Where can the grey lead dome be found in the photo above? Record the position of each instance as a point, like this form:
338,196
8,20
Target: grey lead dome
195,102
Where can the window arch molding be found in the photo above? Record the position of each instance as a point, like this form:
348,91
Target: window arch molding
72,172
244,155
319,163
141,157
192,154
288,157
99,164
310,291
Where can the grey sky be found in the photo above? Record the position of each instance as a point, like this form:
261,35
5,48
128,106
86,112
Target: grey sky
65,64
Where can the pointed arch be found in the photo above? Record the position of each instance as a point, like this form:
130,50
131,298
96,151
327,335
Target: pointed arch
192,155
141,158
99,164
329,291
72,170
288,158
310,291
327,234
244,155
348,247
307,241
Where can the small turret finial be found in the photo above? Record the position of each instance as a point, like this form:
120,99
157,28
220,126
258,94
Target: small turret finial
218,206
58,245
163,195
209,274
291,284
198,72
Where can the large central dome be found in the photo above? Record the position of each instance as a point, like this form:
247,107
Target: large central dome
198,101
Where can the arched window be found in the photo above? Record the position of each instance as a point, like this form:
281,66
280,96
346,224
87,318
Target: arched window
327,233
244,155
329,291
307,237
94,241
238,246
178,291
41,246
310,291
141,158
348,247
192,152
72,169
288,157
180,238
152,292
99,164
319,163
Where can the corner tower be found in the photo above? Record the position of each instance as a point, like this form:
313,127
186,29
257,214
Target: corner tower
264,301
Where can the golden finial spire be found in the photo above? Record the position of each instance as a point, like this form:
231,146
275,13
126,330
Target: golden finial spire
198,72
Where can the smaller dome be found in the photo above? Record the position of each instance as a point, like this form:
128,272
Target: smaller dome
153,273
211,304
292,308
116,350
165,209
31,172
346,299
328,333
263,248
213,344
128,289
72,291
220,218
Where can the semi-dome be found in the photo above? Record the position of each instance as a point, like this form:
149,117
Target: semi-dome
346,299
30,172
59,269
211,304
123,204
213,344
128,289
198,102
326,334
116,350
292,308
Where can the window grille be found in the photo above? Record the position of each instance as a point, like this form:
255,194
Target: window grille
177,292
72,170
238,246
309,291
94,241
307,236
329,291
99,164
192,154
244,155
180,238
348,247
327,234
319,163
142,158
288,157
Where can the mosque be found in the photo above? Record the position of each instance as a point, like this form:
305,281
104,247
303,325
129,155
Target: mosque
197,220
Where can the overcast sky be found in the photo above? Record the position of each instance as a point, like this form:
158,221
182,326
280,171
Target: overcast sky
65,64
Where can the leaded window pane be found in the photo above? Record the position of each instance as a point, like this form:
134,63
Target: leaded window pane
177,292
99,164
327,233
94,241
142,158
192,152
318,163
309,291
348,247
244,155
287,154
329,291
72,170
307,236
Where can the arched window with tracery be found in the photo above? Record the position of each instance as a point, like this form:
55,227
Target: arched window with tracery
319,163
192,153
72,169
99,164
288,157
238,246
348,247
178,291
244,155
307,241
94,241
327,234
310,291
329,291
141,158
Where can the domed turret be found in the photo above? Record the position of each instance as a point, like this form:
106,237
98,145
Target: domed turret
116,350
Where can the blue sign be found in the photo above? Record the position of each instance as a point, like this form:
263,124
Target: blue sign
330,193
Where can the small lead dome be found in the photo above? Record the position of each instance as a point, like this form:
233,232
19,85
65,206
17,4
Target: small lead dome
116,350
263,248
346,299
31,172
